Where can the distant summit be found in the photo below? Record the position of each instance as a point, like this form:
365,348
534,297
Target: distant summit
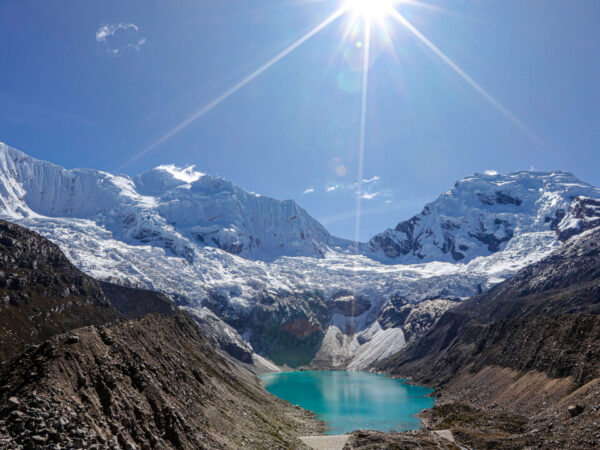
480,214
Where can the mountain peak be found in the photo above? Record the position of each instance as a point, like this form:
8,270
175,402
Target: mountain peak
480,214
165,177
187,174
170,207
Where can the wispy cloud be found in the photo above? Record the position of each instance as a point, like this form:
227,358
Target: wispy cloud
128,33
365,190
369,189
352,186
491,173
374,179
369,195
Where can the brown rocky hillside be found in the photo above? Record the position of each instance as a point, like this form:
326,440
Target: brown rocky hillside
151,383
42,293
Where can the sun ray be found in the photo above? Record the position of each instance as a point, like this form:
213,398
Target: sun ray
208,107
425,6
495,103
363,128
344,38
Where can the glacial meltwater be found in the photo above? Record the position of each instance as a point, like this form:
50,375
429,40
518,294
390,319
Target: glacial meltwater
350,401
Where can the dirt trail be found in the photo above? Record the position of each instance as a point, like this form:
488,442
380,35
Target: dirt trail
325,442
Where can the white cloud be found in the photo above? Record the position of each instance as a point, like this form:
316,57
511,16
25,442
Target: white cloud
375,179
369,196
131,41
491,173
332,188
308,191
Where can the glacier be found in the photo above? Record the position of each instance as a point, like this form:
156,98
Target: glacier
271,277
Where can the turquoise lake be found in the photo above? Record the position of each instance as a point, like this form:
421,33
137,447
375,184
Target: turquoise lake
350,401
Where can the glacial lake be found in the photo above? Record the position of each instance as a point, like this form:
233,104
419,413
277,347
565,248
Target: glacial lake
350,401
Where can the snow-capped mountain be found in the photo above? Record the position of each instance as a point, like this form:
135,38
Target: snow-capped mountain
272,273
167,206
583,214
480,214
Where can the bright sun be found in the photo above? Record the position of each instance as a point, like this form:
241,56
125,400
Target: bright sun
370,9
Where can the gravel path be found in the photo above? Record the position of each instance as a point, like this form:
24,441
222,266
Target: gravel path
326,442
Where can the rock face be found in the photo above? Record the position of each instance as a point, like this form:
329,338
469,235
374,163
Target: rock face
583,214
483,212
289,330
348,305
135,303
42,293
222,335
545,318
155,382
414,319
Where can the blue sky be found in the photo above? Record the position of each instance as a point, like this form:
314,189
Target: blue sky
94,84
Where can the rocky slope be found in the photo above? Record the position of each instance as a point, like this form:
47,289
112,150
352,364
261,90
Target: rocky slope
548,313
109,382
134,303
155,382
528,348
262,276
42,293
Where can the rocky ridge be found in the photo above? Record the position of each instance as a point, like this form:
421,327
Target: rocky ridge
525,351
42,293
154,382
550,305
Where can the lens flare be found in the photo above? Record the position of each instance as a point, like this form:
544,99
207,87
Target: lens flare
366,14
370,9
363,130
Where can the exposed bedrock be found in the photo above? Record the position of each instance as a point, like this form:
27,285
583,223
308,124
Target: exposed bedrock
307,330
414,319
286,329
134,303
347,304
